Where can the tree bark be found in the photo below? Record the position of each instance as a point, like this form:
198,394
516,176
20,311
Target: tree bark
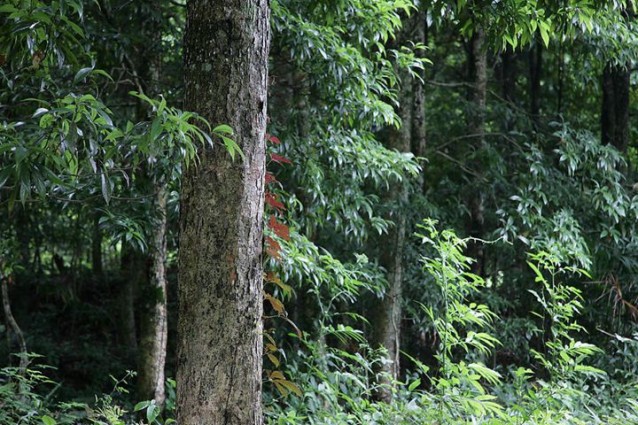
220,268
477,62
133,269
535,60
387,323
154,317
11,321
419,132
96,247
154,325
614,117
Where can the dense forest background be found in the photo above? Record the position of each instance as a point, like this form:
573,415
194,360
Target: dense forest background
450,211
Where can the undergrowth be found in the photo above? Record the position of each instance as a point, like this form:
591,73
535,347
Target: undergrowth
568,382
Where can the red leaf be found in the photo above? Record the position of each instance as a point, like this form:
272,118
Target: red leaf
273,139
271,199
273,249
280,229
280,159
270,178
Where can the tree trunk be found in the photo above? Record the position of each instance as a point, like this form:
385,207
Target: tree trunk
507,73
419,133
614,118
153,331
133,269
96,247
387,323
477,62
11,322
220,268
535,56
154,315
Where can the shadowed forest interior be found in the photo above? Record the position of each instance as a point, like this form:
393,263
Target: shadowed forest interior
318,212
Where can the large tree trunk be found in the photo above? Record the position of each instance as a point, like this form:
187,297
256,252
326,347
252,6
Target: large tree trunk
154,328
220,267
614,118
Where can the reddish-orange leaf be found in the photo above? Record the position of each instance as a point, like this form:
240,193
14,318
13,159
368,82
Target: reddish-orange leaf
276,304
280,229
274,139
273,249
271,199
280,159
270,178
272,277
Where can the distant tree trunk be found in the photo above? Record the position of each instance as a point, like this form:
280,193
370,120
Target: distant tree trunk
387,320
614,117
133,270
507,73
535,56
96,247
11,321
153,331
477,62
419,132
220,345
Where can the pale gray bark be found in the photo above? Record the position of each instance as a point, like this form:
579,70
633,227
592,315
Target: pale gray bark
220,267
154,327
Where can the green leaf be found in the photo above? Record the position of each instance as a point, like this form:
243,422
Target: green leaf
48,420
141,405
223,129
156,128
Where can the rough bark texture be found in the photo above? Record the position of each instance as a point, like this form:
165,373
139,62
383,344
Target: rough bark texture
220,272
154,327
614,118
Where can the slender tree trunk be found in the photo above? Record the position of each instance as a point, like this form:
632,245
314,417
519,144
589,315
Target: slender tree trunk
11,321
96,247
220,345
419,133
477,62
535,60
154,317
614,118
133,267
154,325
508,70
387,323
